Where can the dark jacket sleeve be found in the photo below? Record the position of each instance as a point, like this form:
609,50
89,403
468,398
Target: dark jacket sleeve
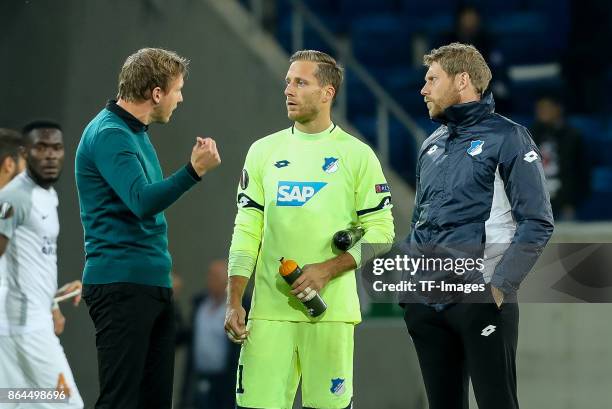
521,170
415,211
115,156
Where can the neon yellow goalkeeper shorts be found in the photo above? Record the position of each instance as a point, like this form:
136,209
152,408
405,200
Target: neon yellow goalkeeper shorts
277,353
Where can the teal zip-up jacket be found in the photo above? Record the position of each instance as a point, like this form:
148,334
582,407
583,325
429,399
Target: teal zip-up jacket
122,196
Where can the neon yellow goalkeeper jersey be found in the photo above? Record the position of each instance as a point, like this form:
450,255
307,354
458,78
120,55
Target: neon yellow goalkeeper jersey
295,192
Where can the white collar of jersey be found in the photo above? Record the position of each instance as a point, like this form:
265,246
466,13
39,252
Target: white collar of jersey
313,136
32,182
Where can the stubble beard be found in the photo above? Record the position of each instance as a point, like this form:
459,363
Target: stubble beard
449,98
160,117
307,114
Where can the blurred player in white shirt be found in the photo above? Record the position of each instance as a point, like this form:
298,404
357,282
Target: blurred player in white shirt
11,155
12,163
30,321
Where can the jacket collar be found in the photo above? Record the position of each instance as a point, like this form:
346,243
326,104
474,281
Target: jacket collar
130,120
469,113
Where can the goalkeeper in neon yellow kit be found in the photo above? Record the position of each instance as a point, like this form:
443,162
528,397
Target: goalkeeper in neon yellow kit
298,187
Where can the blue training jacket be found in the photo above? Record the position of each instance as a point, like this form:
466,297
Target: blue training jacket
480,181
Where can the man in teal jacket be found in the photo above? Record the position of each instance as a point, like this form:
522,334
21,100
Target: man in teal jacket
122,195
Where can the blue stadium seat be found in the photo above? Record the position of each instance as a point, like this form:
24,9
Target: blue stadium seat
362,8
608,85
527,38
319,7
521,119
601,179
524,94
604,147
403,83
427,9
515,23
495,8
403,152
545,4
360,100
402,155
557,13
412,102
596,207
426,124
381,40
399,78
366,124
596,142
312,40
432,26
517,49
591,127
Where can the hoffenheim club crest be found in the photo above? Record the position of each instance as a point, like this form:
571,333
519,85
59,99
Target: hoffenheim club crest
475,147
330,165
337,386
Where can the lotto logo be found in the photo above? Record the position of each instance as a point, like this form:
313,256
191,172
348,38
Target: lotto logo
530,156
243,201
296,193
488,330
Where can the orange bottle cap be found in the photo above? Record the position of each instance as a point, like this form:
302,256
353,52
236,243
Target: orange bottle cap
287,267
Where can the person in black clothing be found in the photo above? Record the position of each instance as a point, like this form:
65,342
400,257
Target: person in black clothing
590,33
566,170
210,373
470,29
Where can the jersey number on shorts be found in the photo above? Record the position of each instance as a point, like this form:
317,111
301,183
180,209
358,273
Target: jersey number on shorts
240,388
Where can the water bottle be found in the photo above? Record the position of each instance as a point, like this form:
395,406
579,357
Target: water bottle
313,302
345,239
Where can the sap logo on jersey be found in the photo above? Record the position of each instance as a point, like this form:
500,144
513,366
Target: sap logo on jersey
296,193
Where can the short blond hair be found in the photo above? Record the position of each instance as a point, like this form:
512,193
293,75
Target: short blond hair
147,69
329,72
456,58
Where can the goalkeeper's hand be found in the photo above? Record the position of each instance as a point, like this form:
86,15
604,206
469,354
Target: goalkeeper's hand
235,323
313,277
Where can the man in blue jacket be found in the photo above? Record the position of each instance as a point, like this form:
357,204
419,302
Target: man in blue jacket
480,186
122,195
